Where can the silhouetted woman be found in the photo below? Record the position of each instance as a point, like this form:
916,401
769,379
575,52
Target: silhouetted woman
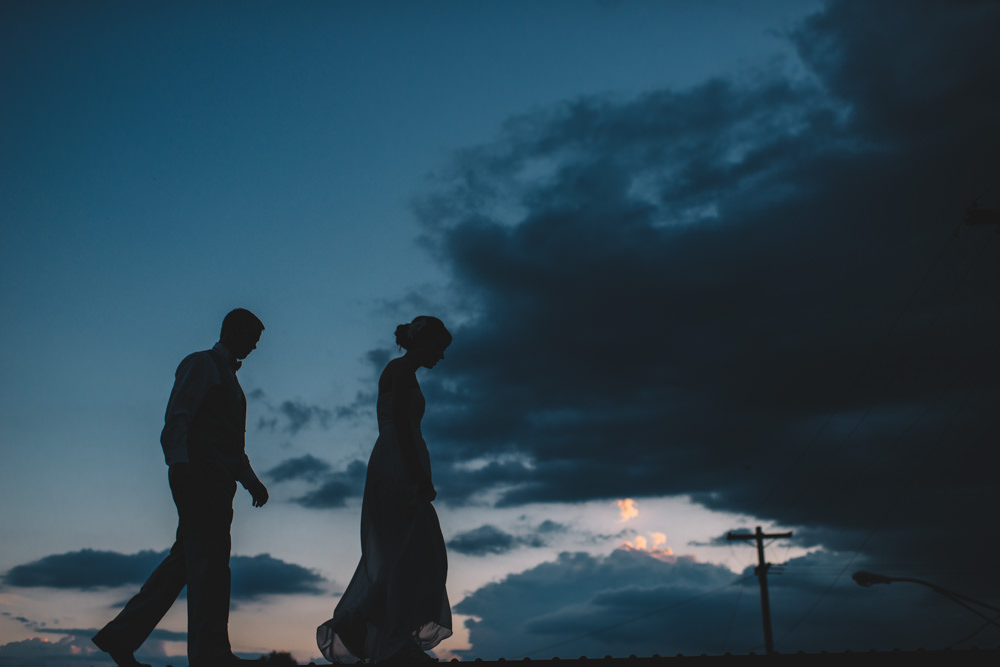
395,606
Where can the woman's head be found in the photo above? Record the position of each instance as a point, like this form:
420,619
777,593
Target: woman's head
425,337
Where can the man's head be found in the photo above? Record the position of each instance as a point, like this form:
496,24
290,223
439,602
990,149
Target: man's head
241,330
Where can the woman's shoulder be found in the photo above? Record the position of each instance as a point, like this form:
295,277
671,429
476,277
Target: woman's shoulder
397,375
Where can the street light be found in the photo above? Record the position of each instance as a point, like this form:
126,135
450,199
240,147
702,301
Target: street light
867,579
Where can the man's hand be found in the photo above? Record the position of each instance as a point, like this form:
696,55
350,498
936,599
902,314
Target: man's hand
259,493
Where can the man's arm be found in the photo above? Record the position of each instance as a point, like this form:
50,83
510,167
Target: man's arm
195,375
248,478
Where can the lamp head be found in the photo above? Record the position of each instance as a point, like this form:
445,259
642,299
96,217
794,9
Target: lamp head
866,579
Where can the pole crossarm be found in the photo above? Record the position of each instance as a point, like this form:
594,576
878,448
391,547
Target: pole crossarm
753,536
762,566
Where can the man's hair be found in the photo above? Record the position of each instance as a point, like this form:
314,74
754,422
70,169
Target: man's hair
240,320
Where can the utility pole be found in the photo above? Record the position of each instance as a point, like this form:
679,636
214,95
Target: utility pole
761,572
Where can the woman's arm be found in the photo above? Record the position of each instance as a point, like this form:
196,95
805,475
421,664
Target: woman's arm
401,379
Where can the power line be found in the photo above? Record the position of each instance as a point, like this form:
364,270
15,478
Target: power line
736,607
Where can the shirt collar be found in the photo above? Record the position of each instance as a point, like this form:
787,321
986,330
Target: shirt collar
227,355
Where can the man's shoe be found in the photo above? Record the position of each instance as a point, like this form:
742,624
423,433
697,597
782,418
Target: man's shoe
122,656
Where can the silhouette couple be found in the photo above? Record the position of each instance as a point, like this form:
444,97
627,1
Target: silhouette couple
395,606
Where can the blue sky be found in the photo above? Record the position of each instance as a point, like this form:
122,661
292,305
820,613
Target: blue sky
701,255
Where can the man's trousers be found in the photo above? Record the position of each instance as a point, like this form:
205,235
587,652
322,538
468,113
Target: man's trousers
198,559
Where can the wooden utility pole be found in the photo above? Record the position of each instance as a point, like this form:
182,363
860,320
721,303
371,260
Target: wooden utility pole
761,572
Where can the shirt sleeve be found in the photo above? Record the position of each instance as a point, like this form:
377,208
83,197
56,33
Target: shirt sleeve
245,473
194,377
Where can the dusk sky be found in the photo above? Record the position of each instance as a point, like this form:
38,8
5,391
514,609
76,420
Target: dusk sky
704,264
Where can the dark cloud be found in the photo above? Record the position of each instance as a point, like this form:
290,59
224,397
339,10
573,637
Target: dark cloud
159,634
38,651
718,540
460,484
747,292
298,415
549,527
88,569
291,415
632,602
75,647
336,487
363,405
20,619
331,494
490,540
254,576
306,467
480,541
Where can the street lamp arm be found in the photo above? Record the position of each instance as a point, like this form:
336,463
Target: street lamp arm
866,579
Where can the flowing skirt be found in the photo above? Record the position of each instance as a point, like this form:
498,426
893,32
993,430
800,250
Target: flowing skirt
396,599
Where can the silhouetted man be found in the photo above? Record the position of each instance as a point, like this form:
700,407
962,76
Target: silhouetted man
203,442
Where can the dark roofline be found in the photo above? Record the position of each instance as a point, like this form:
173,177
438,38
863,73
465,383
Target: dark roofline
973,657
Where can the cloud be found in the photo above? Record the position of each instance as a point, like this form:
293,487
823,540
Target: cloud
628,509
480,541
21,619
490,540
292,415
336,487
331,494
549,527
88,570
306,467
718,540
75,647
332,488
41,651
255,576
636,602
458,483
747,292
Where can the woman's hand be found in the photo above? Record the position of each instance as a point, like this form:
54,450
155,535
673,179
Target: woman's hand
427,492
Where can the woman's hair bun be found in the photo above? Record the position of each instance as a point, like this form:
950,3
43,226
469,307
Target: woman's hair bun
422,326
401,335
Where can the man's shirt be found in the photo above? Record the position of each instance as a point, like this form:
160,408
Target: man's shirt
196,375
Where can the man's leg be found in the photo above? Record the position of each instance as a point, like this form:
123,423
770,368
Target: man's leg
121,637
207,548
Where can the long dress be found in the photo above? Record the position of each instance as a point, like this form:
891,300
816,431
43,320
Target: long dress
397,595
